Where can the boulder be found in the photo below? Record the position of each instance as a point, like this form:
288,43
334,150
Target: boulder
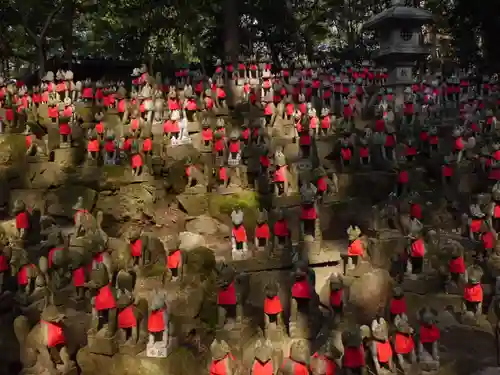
62,200
41,175
193,205
203,224
190,241
129,203
369,294
12,148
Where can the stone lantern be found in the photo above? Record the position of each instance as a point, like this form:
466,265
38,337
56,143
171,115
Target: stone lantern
399,30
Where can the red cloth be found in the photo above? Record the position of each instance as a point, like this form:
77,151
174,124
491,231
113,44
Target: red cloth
22,274
55,334
136,161
280,174
354,357
240,234
4,264
156,321
321,184
22,220
398,306
281,228
50,256
174,259
475,225
403,344
259,368
79,277
227,296
331,366
272,306
262,231
457,265
64,129
473,293
346,153
418,248
308,213
105,299
136,248
356,248
336,297
416,211
384,351
301,289
429,334
126,318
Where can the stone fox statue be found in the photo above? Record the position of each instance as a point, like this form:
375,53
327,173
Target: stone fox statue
49,337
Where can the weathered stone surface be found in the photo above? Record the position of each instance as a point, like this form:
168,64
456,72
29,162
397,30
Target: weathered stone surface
68,157
12,148
62,200
41,175
129,203
369,294
202,225
194,205
182,152
33,198
190,241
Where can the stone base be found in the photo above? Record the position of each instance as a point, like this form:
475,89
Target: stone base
359,270
303,328
132,349
158,349
275,333
421,284
102,345
78,304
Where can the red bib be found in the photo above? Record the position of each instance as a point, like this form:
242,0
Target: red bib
136,161
331,366
156,321
336,297
174,260
403,344
281,228
473,293
55,334
447,171
22,220
105,299
280,174
219,367
227,296
136,248
79,277
418,248
346,153
398,306
262,231
259,368
301,289
416,211
321,184
126,318
429,334
22,275
488,240
4,264
234,146
403,177
475,225
272,306
356,248
384,351
240,234
457,265
308,213
354,357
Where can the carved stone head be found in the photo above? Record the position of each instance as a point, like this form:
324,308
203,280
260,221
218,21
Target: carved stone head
219,349
271,289
307,193
353,233
474,274
158,301
124,298
380,330
263,351
237,217
402,326
134,234
99,276
336,281
301,270
299,351
352,338
427,316
262,217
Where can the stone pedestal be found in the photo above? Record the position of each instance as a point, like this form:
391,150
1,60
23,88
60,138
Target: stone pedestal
158,349
236,334
132,349
421,283
99,344
304,327
275,333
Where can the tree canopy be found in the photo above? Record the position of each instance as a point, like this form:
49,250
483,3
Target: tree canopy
187,31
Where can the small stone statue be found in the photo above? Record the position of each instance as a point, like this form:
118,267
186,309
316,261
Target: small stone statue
82,218
230,297
403,344
263,362
23,219
308,210
53,338
338,297
159,326
326,360
397,305
104,306
323,184
262,231
473,293
416,249
380,346
281,232
357,248
238,236
24,270
139,249
280,178
429,334
273,310
5,256
298,361
302,296
456,267
34,145
223,362
353,361
174,262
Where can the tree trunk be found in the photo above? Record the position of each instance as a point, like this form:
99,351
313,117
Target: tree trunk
68,35
40,49
231,40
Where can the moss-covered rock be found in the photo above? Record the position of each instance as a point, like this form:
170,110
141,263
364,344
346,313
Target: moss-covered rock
12,148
